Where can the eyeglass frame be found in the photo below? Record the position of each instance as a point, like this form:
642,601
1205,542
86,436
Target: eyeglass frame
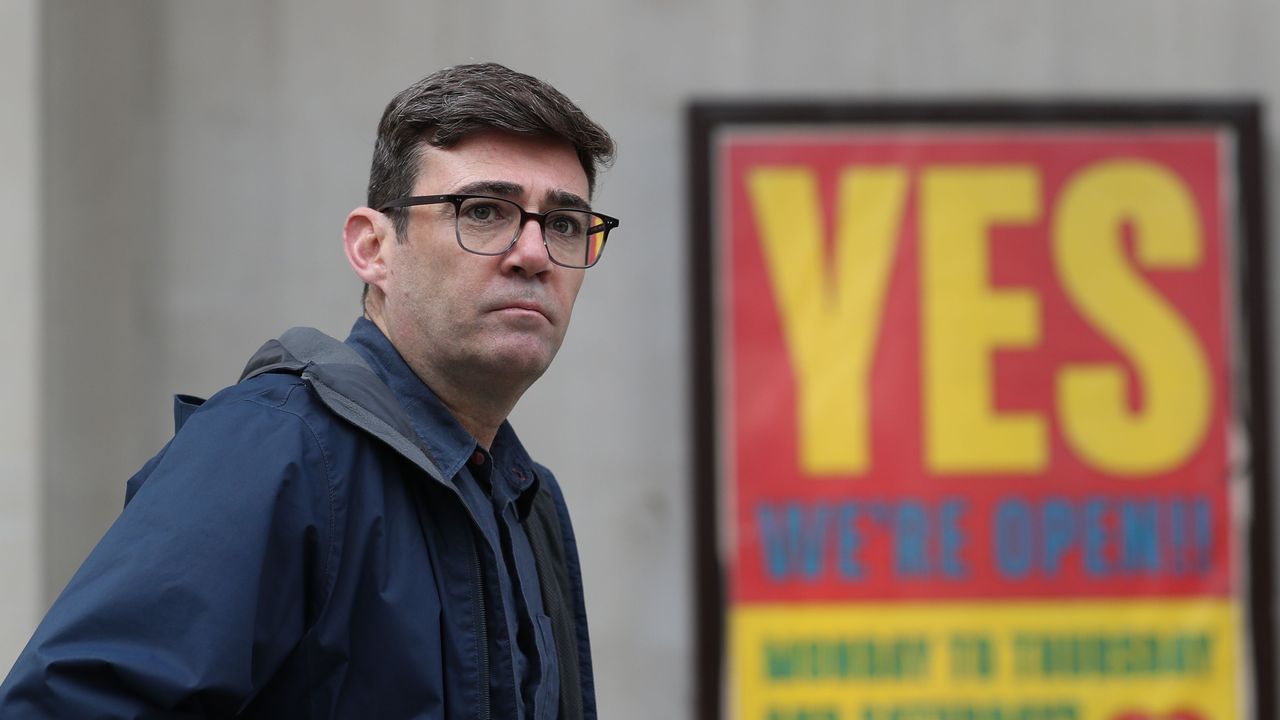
608,223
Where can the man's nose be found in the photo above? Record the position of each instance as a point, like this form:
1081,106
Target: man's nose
529,254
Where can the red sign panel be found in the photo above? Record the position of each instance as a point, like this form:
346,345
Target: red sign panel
1017,373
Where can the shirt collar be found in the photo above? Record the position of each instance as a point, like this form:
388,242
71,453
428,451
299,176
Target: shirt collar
442,437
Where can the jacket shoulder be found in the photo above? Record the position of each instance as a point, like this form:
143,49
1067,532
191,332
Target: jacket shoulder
267,400
274,420
281,391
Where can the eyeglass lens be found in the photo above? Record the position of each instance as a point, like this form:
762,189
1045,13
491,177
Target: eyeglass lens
490,225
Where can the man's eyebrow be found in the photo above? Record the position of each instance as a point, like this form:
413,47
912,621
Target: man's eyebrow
565,199
505,189
499,188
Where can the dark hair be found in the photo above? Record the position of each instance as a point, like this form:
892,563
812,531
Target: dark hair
447,106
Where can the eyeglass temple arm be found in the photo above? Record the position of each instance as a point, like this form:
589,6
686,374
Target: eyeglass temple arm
607,223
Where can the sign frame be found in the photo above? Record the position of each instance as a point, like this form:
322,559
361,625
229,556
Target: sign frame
1241,118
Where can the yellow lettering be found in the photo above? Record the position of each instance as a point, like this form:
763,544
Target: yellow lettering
964,320
1096,273
830,319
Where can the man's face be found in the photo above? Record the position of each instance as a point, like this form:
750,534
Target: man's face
463,317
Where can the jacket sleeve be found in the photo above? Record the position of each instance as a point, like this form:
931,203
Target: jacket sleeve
201,588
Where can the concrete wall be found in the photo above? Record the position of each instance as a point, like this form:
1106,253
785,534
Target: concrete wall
103,405
200,157
20,376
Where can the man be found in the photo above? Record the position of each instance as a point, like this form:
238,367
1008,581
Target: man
354,530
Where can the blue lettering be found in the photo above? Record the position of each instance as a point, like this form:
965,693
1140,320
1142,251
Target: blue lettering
1096,538
1012,538
954,539
1203,524
1138,522
1178,536
1059,534
1099,536
912,537
850,542
797,549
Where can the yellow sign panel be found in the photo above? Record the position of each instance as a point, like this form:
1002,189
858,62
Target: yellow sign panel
1112,660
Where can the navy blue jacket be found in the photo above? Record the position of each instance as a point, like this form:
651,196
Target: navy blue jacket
293,552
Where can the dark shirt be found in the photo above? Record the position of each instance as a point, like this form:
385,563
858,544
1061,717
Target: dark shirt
498,484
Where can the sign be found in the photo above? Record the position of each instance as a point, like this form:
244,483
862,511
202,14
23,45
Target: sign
972,413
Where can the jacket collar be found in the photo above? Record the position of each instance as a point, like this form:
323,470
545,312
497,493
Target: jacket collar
441,436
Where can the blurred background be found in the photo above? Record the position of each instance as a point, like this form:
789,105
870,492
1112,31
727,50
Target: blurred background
174,177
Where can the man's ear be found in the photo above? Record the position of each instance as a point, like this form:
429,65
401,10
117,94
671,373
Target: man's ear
366,237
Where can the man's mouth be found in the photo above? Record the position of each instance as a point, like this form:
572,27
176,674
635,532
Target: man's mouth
524,306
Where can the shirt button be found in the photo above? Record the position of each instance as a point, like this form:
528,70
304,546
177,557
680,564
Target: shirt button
477,458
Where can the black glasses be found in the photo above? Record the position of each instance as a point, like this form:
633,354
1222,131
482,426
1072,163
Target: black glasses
490,226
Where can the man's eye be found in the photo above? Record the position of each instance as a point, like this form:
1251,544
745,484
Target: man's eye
564,225
480,212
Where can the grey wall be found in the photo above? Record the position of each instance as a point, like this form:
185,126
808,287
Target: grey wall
101,263
199,159
20,597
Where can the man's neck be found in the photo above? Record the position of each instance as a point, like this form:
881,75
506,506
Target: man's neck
479,404
477,410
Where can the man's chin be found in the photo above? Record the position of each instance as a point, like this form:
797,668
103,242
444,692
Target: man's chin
520,361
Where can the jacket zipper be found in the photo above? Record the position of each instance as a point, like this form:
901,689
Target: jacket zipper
483,630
